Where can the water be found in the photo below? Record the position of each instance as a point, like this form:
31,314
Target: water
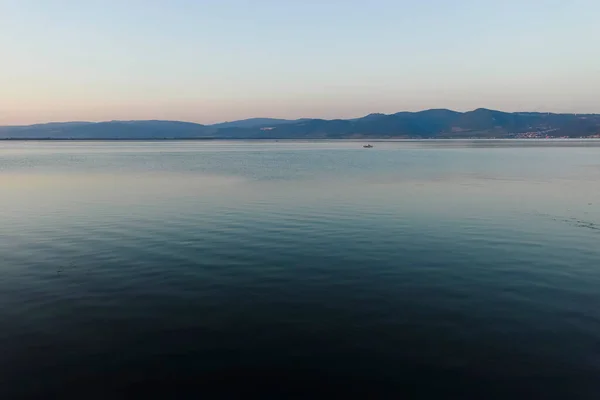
223,269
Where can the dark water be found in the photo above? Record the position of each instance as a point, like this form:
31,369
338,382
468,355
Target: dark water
224,269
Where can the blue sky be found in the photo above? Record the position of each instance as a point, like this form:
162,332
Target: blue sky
215,60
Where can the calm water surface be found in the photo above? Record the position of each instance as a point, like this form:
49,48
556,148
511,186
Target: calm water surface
299,269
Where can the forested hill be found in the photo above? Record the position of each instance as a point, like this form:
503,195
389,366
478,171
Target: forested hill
438,123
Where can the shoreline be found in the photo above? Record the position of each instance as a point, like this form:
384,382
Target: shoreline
362,140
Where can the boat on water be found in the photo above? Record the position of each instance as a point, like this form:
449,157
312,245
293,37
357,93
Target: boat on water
367,146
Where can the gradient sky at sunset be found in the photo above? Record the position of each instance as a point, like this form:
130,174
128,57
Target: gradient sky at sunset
210,61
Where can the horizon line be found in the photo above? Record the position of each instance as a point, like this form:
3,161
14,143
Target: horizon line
290,119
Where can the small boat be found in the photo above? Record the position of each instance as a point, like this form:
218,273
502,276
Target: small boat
367,146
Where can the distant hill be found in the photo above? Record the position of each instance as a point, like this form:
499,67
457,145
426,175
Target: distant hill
437,123
107,130
253,123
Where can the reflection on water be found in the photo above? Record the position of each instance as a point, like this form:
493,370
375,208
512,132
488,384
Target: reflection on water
235,268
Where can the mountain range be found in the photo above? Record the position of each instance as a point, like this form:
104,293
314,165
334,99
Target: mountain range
436,123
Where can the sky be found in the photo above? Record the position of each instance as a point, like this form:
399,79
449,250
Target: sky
210,61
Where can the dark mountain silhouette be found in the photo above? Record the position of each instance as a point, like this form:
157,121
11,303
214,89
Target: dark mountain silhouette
255,123
437,123
107,130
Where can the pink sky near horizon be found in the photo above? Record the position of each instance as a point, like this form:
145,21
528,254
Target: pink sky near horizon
211,111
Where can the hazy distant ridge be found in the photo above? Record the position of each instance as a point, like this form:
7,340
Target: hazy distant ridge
436,123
